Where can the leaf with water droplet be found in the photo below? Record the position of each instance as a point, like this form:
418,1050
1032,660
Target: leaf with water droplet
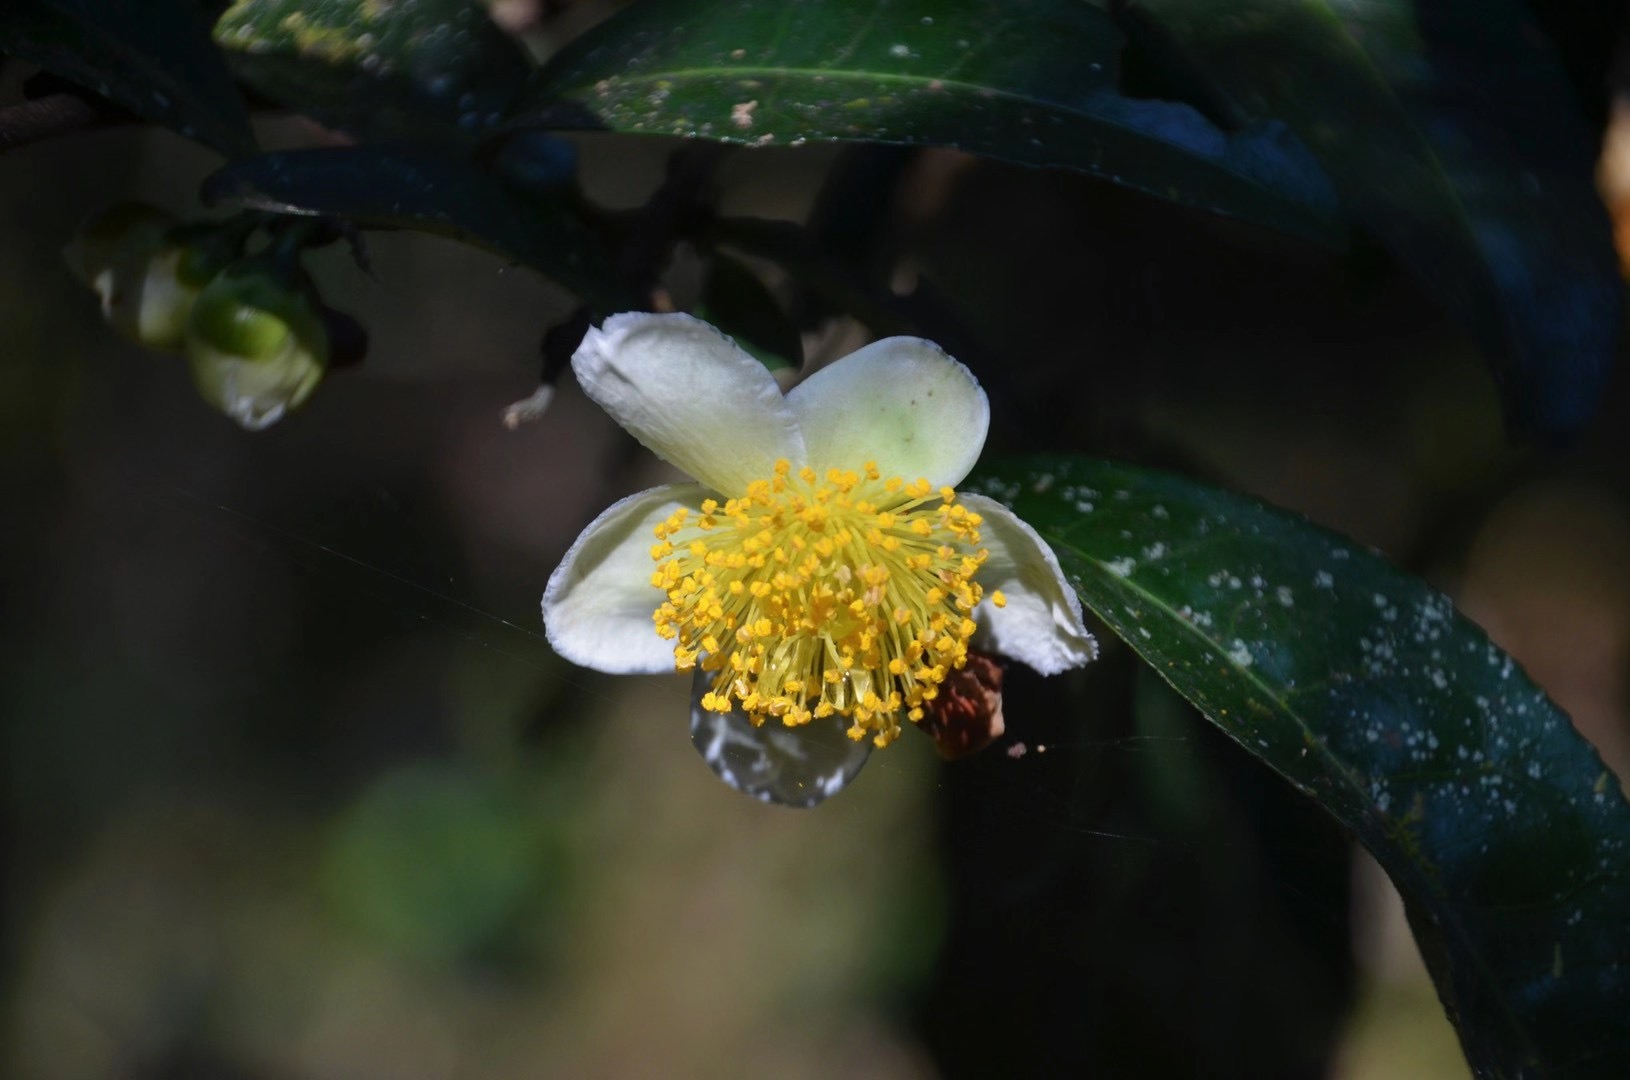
437,70
1505,833
1030,81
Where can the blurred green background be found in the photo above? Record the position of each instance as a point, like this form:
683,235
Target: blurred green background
295,788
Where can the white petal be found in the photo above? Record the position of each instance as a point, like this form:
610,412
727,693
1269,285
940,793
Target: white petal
598,604
900,402
691,395
1041,625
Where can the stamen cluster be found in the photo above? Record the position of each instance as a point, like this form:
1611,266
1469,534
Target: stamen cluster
808,596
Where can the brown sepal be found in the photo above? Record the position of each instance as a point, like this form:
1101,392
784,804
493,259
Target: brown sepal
966,717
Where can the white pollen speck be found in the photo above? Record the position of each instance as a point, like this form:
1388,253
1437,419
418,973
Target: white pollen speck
1043,483
1284,596
1158,511
1154,551
1324,580
902,52
1121,567
741,113
1240,654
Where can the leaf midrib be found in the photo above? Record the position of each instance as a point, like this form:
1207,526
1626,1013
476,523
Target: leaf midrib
832,75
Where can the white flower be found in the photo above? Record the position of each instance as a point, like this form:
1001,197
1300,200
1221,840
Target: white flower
822,574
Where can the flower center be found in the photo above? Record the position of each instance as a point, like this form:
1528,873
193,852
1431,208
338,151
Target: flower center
807,596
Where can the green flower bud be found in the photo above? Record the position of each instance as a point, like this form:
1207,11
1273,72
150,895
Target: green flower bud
257,344
146,280
127,232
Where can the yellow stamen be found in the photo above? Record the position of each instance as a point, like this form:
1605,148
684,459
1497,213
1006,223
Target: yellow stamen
812,595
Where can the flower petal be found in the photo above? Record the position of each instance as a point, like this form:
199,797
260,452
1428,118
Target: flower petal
773,763
901,402
597,606
691,395
1041,625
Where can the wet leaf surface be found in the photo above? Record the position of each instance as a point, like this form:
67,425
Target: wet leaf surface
1366,690
1030,81
430,69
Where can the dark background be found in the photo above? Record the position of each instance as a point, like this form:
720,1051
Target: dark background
294,787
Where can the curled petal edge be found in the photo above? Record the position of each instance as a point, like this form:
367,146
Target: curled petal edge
1041,625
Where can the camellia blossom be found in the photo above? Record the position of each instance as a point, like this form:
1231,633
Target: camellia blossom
822,574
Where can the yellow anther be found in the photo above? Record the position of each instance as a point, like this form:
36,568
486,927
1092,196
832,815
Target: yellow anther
813,595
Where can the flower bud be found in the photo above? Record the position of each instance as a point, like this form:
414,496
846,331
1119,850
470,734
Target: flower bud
257,344
119,233
146,279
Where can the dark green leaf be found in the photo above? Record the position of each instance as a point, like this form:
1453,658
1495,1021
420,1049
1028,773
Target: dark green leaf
1452,132
1031,81
1507,836
153,57
436,69
422,188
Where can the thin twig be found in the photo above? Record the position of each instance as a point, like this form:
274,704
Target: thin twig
48,116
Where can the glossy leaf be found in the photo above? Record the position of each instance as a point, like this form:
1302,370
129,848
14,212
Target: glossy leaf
430,69
1507,836
1451,132
1030,81
153,58
425,189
